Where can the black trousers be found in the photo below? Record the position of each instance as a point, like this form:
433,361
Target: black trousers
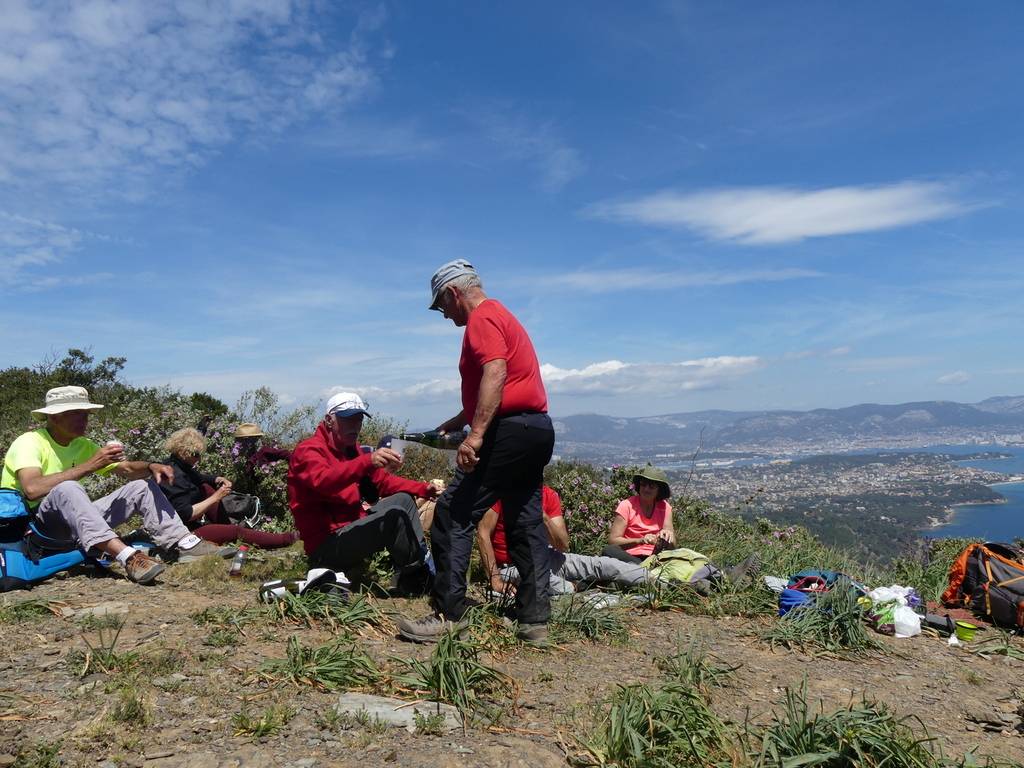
511,469
393,523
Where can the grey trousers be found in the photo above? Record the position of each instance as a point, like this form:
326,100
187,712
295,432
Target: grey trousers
68,513
568,567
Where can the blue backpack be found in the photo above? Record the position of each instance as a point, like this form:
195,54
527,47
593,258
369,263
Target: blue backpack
14,515
18,570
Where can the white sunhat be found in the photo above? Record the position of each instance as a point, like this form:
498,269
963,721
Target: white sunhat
345,404
60,399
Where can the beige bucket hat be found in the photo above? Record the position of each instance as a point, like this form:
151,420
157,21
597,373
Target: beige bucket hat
60,399
248,429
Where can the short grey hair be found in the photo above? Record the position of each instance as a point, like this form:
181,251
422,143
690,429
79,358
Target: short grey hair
465,282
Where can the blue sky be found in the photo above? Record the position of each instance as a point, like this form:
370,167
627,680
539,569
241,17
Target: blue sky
689,205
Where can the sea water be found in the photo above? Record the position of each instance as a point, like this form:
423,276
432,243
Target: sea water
989,522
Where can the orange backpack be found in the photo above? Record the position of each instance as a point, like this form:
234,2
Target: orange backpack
989,580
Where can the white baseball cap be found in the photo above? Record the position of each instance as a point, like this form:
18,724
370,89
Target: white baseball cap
346,404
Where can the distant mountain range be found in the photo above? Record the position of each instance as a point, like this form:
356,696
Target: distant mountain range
592,435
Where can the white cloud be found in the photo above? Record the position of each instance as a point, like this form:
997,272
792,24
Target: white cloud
956,377
607,281
114,91
771,215
613,377
29,245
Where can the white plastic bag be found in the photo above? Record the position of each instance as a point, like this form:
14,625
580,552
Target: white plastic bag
906,622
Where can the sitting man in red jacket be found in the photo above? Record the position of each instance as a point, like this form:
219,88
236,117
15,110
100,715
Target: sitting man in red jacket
330,478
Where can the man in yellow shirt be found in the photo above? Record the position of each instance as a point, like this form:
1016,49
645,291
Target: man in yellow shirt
46,465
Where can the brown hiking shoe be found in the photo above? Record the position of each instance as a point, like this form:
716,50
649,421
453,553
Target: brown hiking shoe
142,569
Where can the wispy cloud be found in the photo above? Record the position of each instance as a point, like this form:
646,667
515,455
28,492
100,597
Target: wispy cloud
772,215
886,363
28,245
134,88
611,280
954,378
658,379
527,140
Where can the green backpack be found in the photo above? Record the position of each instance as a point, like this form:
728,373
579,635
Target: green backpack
675,564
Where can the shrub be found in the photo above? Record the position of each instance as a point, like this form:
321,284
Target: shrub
589,497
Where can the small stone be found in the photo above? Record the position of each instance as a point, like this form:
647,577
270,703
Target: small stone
51,651
7,760
158,754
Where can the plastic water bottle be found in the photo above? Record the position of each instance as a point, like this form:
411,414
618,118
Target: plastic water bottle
239,559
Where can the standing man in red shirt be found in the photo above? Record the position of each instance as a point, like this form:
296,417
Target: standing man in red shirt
510,441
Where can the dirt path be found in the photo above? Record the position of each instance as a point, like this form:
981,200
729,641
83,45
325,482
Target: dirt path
193,680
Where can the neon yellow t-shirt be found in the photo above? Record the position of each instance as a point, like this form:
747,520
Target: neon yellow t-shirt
38,449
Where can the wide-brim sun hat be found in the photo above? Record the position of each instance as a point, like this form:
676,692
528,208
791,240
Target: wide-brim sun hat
60,399
345,404
248,429
655,475
444,275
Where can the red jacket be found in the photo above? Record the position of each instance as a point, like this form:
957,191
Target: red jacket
323,487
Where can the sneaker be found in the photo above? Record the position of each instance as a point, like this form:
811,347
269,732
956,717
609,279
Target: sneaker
739,575
426,630
533,634
205,549
142,569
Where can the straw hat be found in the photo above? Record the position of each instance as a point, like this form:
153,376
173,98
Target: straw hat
60,399
248,430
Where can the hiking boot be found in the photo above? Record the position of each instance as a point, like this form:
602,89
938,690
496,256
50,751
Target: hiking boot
205,549
702,587
426,630
142,569
533,634
740,574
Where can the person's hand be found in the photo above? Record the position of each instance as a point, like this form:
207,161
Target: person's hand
667,535
104,457
650,538
501,587
385,458
221,492
163,474
223,482
467,457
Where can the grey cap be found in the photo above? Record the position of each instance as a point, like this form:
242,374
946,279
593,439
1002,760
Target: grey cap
444,275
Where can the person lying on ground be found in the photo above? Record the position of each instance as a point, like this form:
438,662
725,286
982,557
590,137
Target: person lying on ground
328,479
567,569
46,465
642,520
196,496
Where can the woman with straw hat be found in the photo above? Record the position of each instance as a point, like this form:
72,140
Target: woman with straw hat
641,521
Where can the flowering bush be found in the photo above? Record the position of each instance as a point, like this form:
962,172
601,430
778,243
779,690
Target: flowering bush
589,497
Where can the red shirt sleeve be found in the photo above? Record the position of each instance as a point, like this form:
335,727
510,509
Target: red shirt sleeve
486,340
389,484
551,502
327,475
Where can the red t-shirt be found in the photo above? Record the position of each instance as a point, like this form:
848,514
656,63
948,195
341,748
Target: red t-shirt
550,503
493,333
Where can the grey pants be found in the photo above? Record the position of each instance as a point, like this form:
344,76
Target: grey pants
68,513
568,567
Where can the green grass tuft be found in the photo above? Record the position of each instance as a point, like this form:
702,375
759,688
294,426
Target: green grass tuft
334,666
832,622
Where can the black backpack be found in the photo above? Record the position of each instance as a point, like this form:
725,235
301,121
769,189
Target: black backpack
989,580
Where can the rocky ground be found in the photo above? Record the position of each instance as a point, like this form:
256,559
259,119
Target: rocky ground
188,694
